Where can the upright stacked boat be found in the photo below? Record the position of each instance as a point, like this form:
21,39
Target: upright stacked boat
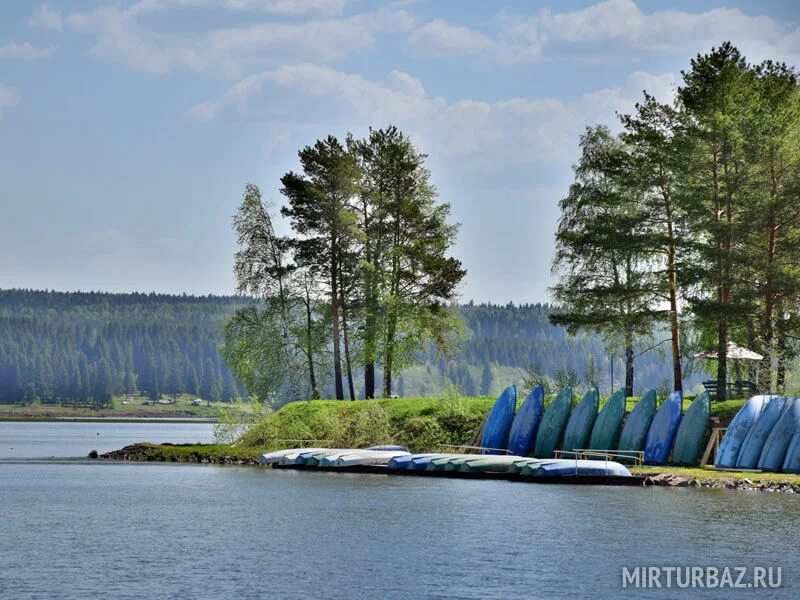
764,434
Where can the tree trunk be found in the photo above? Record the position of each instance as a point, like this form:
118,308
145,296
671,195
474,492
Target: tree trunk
722,360
337,355
782,360
768,327
677,372
628,364
312,378
369,380
347,363
389,358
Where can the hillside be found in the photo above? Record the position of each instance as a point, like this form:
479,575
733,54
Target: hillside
85,348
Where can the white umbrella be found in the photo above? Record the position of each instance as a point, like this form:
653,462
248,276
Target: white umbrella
735,352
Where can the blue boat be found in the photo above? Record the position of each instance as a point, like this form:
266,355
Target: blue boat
412,461
731,444
663,429
579,426
777,444
498,423
692,432
634,433
556,468
791,464
754,442
526,423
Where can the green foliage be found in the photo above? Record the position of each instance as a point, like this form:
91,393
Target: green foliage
699,201
417,423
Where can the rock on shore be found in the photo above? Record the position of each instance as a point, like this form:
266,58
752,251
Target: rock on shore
674,480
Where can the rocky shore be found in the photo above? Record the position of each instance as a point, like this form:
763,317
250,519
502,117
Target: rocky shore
186,453
746,484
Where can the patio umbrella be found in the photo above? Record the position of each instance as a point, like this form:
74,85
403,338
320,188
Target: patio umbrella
736,353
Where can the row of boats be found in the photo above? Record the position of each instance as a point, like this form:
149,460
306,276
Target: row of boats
655,432
764,434
526,441
396,458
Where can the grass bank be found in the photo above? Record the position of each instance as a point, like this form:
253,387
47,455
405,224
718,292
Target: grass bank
417,423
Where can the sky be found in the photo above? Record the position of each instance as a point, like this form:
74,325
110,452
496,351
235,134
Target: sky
129,129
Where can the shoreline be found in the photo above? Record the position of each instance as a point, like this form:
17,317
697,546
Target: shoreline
680,477
115,419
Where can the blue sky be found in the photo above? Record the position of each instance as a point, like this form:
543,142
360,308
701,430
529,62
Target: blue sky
128,129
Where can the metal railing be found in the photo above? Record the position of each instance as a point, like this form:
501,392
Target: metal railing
637,456
478,449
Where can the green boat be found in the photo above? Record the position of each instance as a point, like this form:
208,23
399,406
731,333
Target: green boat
579,427
440,464
692,432
491,464
608,425
637,424
551,429
520,464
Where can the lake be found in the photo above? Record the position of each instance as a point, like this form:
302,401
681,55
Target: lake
84,529
24,440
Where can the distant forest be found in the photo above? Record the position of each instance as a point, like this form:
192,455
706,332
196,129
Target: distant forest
79,348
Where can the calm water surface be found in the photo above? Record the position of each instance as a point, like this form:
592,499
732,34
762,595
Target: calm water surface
73,440
81,529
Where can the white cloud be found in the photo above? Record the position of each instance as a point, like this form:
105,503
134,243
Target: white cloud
277,7
7,98
478,133
607,27
25,52
231,51
46,17
440,38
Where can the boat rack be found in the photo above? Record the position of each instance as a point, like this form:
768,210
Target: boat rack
637,456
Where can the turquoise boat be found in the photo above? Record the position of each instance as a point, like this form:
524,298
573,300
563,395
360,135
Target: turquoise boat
441,462
692,432
661,435
490,464
756,438
551,429
791,464
579,426
526,423
498,423
731,444
605,432
518,465
777,445
634,433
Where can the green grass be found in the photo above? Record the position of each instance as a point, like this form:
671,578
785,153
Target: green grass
720,476
417,423
192,452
